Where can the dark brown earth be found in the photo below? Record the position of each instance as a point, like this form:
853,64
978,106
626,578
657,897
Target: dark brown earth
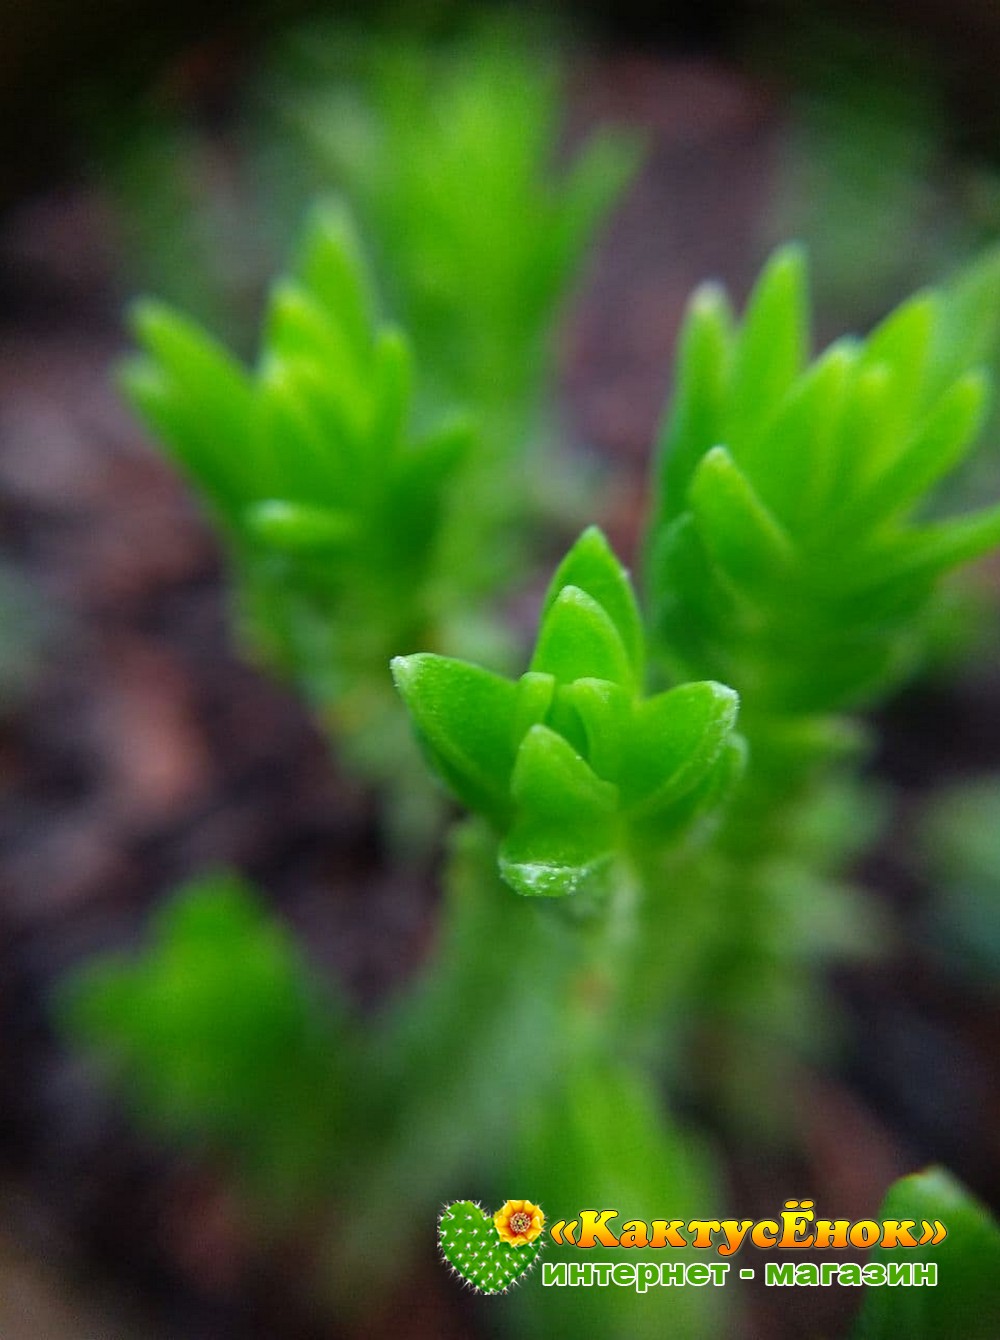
144,749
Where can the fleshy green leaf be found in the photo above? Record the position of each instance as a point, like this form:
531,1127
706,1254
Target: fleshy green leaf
152,396
968,334
793,455
464,718
947,433
330,268
191,359
772,345
303,451
592,567
696,420
604,711
578,640
298,328
674,740
924,553
564,830
534,698
966,1298
738,530
551,778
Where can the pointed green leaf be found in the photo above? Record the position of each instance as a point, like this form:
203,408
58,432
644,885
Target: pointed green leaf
696,420
534,698
926,552
693,818
550,778
578,640
965,1301
902,342
604,711
591,566
693,615
172,419
564,830
946,435
330,267
193,393
200,368
464,719
418,492
595,180
305,455
738,530
298,328
674,740
791,457
864,444
773,343
968,332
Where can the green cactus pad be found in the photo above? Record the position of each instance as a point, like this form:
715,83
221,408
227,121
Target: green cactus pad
475,1251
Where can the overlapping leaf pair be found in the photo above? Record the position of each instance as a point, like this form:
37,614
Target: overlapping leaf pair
310,463
784,556
571,763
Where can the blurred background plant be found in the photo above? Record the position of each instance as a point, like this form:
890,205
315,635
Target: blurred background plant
446,148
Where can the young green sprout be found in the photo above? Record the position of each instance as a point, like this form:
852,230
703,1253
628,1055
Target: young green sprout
572,763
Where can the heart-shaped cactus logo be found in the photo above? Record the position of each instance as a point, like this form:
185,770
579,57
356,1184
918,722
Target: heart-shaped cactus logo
491,1252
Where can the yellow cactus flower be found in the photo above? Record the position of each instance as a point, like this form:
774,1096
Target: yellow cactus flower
518,1222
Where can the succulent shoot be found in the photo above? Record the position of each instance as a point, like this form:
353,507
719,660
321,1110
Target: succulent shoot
572,763
311,464
787,554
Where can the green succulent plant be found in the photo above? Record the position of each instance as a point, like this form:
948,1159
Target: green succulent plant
789,560
224,1039
447,150
786,553
323,486
572,762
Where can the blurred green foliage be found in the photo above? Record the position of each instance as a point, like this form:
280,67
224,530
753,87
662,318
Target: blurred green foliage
447,152
605,1131
792,561
223,1039
321,482
966,1299
872,181
331,468
445,146
796,562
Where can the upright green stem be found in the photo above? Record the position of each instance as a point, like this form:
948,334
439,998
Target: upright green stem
520,993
